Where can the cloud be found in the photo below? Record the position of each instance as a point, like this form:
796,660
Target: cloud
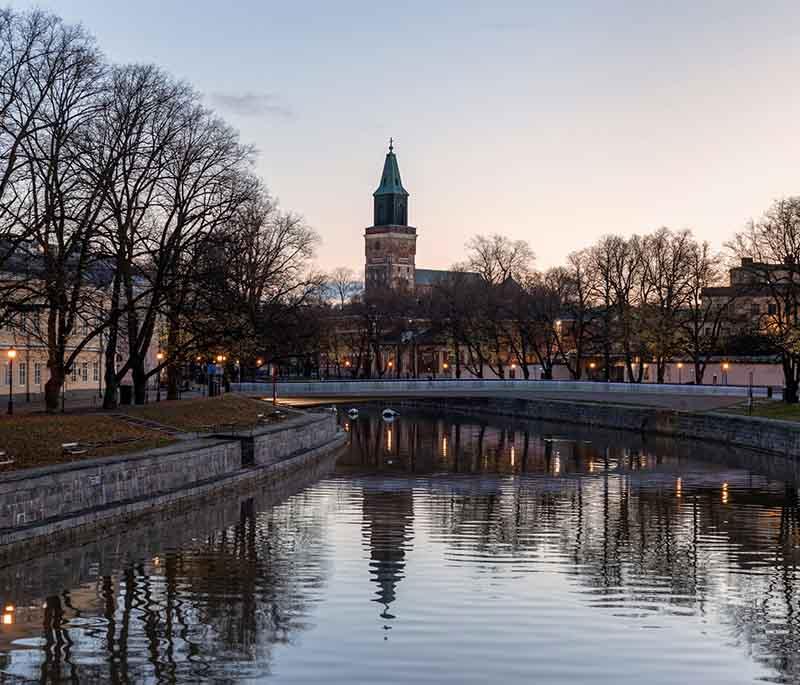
252,104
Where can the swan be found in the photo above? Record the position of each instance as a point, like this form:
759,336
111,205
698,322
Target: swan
388,414
353,413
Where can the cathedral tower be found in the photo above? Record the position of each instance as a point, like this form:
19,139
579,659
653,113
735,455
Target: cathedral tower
390,244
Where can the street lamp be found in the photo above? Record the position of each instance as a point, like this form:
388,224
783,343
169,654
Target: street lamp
160,358
680,372
12,353
725,367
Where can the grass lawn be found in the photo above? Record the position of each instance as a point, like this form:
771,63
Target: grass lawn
770,409
36,439
204,413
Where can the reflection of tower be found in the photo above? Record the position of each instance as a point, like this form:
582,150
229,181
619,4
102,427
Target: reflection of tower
388,520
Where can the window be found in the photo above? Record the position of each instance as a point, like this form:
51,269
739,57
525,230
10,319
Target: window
23,373
7,375
772,308
74,373
37,373
96,371
85,372
755,309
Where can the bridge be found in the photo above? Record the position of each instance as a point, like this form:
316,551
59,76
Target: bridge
672,396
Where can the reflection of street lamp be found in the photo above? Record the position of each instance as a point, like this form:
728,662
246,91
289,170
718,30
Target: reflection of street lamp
12,353
160,358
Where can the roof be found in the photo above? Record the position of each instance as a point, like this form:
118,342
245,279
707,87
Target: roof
390,179
433,276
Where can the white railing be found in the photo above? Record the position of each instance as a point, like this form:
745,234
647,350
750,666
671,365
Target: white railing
444,386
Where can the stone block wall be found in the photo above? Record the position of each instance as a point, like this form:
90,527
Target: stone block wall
36,495
274,443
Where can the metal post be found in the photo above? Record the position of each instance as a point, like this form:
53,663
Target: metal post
10,386
28,374
274,385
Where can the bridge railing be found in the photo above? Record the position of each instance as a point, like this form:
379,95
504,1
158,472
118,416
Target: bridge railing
333,388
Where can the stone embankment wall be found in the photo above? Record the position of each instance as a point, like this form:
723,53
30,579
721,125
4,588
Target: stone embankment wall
273,443
46,501
776,437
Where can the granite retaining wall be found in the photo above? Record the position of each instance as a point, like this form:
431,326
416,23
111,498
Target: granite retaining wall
780,438
50,500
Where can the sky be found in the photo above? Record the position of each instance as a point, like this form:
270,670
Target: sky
552,122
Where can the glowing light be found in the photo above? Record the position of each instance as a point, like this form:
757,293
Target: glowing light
389,439
9,607
12,353
680,365
556,465
679,487
726,366
444,446
156,561
8,619
592,365
725,493
513,456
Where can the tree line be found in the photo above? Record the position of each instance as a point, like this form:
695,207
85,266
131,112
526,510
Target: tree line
636,302
131,215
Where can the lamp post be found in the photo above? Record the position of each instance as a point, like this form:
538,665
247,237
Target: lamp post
725,368
12,353
680,371
159,358
220,358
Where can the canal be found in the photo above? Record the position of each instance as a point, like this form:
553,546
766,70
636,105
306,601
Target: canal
441,549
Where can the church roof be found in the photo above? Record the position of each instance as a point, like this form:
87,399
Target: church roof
434,276
390,179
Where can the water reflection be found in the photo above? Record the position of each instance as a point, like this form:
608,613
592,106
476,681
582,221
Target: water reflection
517,549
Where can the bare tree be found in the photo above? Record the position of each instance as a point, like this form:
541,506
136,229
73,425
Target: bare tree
61,213
770,249
344,283
703,316
666,261
497,258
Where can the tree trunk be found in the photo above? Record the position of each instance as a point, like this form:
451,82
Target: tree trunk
110,393
139,382
173,369
790,390
699,372
52,388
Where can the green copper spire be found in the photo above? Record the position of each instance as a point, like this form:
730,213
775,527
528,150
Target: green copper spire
390,180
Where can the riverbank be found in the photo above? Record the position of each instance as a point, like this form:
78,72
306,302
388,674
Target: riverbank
780,438
51,505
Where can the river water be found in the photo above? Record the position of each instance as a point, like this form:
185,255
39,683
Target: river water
442,549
